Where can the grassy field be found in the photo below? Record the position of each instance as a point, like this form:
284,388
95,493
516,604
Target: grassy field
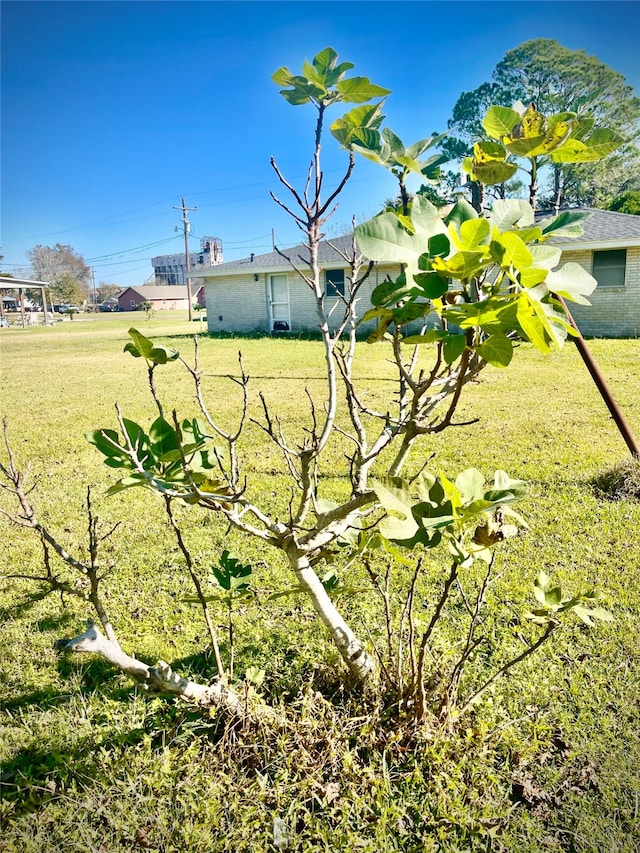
549,760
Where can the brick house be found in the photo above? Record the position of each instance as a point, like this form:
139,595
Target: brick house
263,293
160,297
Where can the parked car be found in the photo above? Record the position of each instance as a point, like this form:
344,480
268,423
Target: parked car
66,309
4,323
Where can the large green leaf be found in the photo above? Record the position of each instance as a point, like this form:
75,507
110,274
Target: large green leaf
358,90
546,257
471,234
459,213
600,143
500,121
493,171
470,485
402,525
163,439
497,350
510,251
493,315
141,346
384,238
431,284
462,265
566,224
534,323
510,213
453,347
572,282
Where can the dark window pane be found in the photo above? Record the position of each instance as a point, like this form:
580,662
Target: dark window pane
334,281
609,267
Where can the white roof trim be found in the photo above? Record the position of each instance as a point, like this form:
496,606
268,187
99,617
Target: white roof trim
625,243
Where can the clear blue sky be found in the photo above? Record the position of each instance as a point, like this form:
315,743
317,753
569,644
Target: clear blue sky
113,110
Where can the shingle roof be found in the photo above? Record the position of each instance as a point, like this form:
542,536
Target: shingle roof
299,254
604,226
161,291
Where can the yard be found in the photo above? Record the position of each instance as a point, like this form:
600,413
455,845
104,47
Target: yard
549,760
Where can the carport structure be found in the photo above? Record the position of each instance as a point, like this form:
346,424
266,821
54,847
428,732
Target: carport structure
20,284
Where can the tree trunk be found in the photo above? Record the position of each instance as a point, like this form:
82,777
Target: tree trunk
359,662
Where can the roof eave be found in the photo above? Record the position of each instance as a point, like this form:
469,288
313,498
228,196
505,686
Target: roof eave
581,245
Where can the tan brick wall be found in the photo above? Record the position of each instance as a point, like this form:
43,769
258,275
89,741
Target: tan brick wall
242,302
614,311
236,304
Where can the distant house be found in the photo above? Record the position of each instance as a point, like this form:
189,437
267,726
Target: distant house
160,297
263,292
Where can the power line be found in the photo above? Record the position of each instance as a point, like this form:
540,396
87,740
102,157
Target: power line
134,249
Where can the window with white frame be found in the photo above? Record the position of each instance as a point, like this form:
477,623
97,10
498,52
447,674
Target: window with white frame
334,282
609,267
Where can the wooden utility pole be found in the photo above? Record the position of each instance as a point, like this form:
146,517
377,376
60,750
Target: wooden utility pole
186,228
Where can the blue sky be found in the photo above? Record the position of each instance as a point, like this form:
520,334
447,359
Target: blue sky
111,111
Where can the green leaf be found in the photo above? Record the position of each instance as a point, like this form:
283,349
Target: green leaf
143,346
163,438
254,675
492,315
459,213
282,77
470,485
553,597
430,337
431,284
497,350
509,213
500,121
390,292
358,90
384,238
394,142
533,322
566,224
546,257
453,347
403,525
513,251
462,265
325,60
598,145
572,282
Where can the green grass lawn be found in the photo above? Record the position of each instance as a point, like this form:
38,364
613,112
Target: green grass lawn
549,760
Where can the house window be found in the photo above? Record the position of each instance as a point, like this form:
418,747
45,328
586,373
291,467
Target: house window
134,304
334,282
609,267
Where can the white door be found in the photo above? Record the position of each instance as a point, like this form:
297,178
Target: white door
279,303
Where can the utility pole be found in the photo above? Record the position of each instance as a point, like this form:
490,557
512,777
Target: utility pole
186,227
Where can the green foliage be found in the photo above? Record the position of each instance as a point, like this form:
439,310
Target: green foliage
553,604
177,462
563,138
517,297
142,347
628,202
467,513
323,82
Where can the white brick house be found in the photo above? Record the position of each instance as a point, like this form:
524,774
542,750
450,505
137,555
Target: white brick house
263,293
